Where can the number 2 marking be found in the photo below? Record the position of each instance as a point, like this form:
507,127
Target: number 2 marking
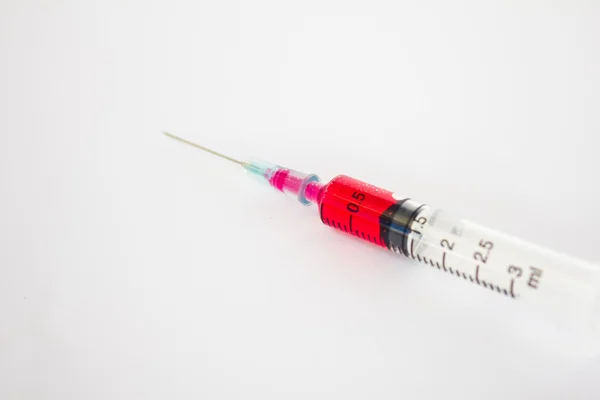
447,244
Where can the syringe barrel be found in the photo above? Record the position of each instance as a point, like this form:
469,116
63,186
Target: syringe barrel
502,264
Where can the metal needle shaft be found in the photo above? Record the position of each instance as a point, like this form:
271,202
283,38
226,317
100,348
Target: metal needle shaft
242,163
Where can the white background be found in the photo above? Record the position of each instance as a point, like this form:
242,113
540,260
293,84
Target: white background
133,267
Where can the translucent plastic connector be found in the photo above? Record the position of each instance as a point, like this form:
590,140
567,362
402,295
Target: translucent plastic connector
300,185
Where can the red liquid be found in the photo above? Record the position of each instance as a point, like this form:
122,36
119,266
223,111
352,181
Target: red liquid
354,207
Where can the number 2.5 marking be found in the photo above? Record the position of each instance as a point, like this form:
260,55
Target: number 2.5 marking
483,254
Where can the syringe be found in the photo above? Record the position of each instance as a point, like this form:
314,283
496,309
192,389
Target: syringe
497,262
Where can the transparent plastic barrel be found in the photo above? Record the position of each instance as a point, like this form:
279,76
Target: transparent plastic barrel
565,289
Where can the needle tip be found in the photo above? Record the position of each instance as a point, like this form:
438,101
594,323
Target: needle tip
242,163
